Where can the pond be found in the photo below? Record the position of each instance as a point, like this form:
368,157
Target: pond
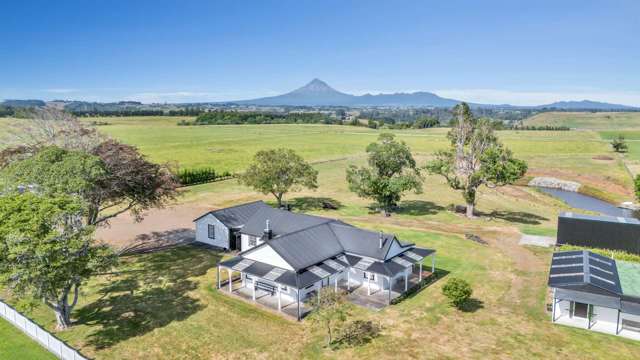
585,202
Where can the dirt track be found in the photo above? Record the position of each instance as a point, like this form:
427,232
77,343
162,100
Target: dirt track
166,224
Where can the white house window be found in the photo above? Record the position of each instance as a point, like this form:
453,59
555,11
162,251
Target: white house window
212,231
252,240
370,276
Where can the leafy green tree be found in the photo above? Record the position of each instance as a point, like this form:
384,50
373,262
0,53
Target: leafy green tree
619,144
330,313
392,171
426,122
372,124
476,158
114,178
457,291
636,183
279,171
46,251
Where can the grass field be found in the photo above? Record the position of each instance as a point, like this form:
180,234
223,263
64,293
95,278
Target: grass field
587,120
164,305
14,344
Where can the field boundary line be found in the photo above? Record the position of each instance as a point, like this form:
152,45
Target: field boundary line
50,342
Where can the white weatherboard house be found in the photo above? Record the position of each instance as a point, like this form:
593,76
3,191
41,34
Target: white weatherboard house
286,257
595,292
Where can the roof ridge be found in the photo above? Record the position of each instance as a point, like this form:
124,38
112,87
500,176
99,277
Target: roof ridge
237,206
301,230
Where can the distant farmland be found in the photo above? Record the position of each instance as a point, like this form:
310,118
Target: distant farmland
587,120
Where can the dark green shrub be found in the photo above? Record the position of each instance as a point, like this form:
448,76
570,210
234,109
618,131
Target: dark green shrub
458,291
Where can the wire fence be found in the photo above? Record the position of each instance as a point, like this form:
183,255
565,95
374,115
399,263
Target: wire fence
56,346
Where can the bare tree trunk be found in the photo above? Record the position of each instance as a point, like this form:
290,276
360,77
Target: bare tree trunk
470,210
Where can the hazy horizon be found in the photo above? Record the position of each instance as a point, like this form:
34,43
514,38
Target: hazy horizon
491,52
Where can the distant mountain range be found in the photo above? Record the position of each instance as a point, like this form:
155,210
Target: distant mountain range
319,93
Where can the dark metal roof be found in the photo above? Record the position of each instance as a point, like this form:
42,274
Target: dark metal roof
363,242
388,268
236,216
307,247
584,271
280,221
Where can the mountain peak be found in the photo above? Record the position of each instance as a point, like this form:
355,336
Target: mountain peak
316,85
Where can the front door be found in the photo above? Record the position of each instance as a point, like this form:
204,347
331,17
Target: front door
580,310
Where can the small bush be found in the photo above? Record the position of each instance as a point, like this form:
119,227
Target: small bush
458,291
358,332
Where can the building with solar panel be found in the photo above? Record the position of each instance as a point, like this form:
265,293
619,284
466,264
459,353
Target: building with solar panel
595,292
286,258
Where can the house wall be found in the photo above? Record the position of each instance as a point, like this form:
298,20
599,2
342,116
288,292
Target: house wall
202,232
244,240
380,282
267,255
603,318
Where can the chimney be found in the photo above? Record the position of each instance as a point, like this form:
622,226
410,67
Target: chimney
268,234
380,240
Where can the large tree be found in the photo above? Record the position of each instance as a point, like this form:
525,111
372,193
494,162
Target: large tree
279,171
46,250
392,171
112,179
475,158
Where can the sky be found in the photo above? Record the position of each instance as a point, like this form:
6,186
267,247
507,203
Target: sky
517,52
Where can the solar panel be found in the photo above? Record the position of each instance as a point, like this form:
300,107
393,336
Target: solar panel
245,263
274,274
318,272
363,264
334,265
401,261
413,256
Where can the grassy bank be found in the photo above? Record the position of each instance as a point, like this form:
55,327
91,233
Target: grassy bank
14,344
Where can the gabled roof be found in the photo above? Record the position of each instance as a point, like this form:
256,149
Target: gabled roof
363,242
280,221
584,271
236,216
307,247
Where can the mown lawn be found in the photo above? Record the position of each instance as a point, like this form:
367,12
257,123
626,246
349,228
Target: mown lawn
14,344
164,305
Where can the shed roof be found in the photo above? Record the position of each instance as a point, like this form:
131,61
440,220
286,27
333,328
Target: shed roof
236,216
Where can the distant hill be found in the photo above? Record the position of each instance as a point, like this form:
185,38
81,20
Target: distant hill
319,93
23,103
585,105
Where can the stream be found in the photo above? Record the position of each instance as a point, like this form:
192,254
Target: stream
585,202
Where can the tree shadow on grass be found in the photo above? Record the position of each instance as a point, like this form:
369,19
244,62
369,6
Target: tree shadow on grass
151,292
520,217
472,305
159,240
310,203
418,208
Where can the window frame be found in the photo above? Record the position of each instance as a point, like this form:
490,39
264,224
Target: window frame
211,230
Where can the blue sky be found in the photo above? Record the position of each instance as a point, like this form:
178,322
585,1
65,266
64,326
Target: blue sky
519,52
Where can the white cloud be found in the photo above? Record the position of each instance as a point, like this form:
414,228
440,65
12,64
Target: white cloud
194,96
60,90
496,96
